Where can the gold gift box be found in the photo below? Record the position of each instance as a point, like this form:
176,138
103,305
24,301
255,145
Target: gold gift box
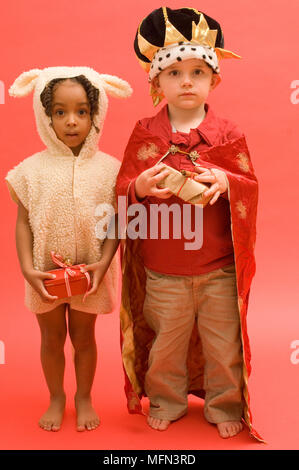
182,184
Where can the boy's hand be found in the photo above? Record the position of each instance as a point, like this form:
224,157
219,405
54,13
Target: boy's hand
216,177
146,183
35,279
98,271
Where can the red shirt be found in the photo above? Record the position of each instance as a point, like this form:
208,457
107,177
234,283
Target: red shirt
169,256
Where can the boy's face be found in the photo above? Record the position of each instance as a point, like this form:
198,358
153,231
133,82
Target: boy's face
186,84
71,118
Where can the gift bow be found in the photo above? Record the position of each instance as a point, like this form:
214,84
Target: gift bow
57,259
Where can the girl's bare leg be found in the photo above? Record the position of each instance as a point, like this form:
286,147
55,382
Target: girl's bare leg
53,333
82,334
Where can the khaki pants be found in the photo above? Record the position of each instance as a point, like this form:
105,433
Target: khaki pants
171,306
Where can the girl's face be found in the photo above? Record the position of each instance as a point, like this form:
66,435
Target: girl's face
71,118
186,84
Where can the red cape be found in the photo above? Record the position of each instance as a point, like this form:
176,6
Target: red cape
143,151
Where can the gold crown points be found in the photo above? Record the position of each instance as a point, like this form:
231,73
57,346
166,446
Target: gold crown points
202,34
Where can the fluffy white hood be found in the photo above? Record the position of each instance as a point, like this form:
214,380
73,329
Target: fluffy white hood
37,80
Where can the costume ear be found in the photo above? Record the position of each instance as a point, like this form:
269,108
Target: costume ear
115,86
24,84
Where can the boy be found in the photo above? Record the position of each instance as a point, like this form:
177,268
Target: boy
181,309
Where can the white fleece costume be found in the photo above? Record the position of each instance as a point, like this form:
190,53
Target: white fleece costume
63,193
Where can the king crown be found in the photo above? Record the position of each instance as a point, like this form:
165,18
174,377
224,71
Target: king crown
201,34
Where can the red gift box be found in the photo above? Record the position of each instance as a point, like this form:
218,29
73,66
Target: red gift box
69,280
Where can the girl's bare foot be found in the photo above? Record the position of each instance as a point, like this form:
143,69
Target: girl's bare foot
229,428
158,424
52,418
87,418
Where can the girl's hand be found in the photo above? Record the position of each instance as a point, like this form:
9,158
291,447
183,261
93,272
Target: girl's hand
35,279
146,183
216,177
98,271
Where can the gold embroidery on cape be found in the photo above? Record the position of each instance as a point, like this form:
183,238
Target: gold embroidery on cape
243,162
241,209
147,151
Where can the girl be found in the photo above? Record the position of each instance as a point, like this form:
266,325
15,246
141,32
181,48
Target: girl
59,192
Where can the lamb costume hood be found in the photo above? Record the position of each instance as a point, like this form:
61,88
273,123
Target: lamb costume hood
143,151
68,197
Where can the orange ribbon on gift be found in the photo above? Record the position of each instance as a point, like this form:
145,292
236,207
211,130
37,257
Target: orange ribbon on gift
191,177
57,259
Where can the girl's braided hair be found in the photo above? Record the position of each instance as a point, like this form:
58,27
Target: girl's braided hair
92,93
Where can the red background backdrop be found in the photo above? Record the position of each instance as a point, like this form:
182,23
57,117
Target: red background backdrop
255,93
